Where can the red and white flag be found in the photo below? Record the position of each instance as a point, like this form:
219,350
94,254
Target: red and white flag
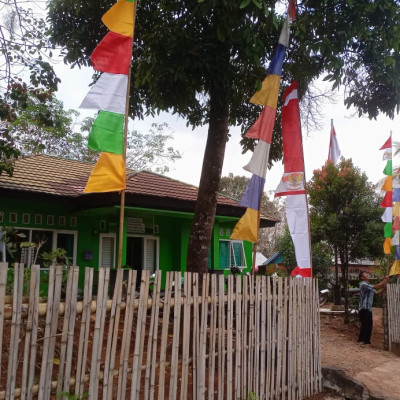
292,183
334,150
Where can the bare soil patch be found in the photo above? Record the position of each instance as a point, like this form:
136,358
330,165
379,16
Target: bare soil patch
339,346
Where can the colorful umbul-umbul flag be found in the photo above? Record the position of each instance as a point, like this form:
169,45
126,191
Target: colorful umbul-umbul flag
334,150
292,183
108,95
267,96
387,201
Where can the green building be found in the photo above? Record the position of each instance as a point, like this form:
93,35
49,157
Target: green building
44,200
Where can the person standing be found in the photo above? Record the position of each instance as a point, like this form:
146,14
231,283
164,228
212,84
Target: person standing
367,292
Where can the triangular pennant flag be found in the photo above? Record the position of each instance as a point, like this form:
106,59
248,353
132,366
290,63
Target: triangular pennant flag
387,200
387,246
252,195
264,126
396,209
107,94
387,215
395,269
113,54
395,239
387,185
387,154
388,168
397,253
107,133
396,224
108,175
247,227
396,194
119,18
388,143
388,230
259,160
268,95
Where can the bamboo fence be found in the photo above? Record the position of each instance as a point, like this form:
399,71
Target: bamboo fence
205,338
393,299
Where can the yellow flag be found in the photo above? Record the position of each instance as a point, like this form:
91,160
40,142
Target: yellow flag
387,185
387,246
268,95
108,174
396,209
395,270
119,18
247,227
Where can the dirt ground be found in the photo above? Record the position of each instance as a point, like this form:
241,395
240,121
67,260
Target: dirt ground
339,348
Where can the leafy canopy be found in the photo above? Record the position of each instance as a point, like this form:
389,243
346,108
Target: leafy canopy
345,211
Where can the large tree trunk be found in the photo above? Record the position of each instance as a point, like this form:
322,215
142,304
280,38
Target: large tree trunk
203,220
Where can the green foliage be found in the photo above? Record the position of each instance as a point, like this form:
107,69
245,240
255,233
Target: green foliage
58,256
9,234
25,46
345,211
73,396
321,256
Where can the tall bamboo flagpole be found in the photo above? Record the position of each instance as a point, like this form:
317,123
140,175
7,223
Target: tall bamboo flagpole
122,203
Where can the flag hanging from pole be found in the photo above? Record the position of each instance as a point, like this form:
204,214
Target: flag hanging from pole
391,203
267,96
108,95
334,150
292,183
387,201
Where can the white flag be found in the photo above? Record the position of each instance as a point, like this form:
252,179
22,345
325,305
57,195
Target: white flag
334,150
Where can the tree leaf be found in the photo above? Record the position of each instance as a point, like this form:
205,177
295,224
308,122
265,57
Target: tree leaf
244,3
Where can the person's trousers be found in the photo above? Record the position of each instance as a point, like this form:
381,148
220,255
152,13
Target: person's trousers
365,326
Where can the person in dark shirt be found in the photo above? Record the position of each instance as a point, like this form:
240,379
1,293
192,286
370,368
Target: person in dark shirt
367,292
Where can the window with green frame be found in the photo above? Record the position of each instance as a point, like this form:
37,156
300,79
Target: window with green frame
231,252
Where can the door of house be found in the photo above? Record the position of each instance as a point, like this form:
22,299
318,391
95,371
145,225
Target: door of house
142,253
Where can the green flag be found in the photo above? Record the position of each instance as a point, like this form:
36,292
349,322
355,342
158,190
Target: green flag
107,133
388,168
388,230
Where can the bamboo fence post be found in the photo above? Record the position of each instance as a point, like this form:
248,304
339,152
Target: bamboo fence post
186,335
150,373
176,335
285,312
203,336
3,286
67,337
112,339
221,337
32,332
212,338
15,330
263,332
229,380
98,333
84,332
164,334
238,339
126,335
140,335
195,335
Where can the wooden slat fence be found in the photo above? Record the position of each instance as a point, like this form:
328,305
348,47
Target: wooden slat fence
207,338
393,299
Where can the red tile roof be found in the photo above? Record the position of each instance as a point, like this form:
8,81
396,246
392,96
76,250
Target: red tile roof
64,177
